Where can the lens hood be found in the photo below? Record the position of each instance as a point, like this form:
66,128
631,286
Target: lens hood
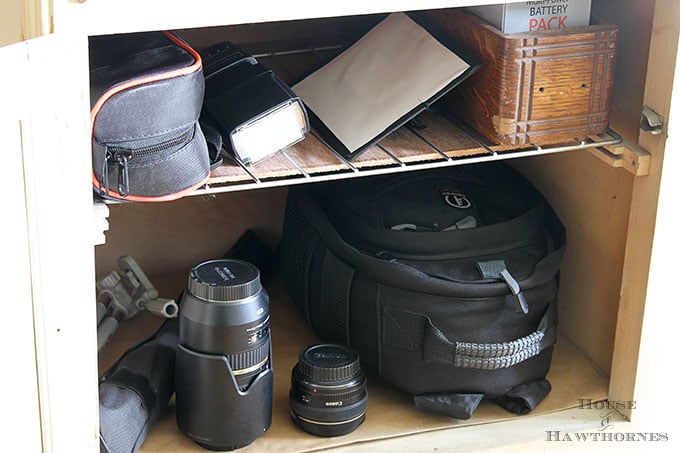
223,364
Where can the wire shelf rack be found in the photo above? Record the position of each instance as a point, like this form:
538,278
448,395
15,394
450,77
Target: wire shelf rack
432,140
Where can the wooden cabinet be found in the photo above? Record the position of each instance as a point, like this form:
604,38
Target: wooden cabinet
616,301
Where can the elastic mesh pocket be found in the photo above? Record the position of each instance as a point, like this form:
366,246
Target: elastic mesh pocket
297,246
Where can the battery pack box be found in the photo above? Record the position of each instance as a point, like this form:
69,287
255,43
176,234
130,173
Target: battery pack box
535,15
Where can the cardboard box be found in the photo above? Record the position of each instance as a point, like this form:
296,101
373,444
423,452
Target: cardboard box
535,15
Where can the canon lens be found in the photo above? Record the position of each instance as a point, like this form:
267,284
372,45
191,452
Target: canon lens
223,369
328,394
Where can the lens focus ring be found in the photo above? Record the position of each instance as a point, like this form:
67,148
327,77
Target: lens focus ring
246,360
316,396
325,415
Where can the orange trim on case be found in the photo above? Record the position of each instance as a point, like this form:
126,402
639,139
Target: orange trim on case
140,81
169,197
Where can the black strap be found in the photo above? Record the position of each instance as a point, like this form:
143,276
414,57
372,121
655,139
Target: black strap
525,397
456,405
214,140
415,331
521,399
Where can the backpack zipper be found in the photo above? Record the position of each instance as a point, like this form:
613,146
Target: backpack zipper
456,256
122,156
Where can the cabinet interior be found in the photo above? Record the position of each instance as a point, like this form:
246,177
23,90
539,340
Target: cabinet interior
592,199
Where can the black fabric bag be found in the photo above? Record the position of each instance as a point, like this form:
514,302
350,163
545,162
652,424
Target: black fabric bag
444,281
146,93
135,390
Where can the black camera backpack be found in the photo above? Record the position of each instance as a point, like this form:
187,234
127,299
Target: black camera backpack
444,281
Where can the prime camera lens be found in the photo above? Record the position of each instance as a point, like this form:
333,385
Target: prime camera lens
328,394
223,372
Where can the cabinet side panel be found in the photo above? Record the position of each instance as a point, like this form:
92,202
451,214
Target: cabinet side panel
663,51
20,360
634,18
57,172
592,200
657,366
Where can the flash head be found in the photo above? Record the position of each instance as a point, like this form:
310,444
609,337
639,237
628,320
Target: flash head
255,111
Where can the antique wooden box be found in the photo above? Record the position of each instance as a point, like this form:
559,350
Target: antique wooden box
541,87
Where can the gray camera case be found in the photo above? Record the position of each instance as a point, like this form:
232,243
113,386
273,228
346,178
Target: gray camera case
146,92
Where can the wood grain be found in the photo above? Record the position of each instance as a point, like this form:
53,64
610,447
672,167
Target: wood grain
540,88
632,321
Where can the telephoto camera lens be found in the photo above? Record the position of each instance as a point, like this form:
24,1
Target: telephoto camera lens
223,371
328,394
